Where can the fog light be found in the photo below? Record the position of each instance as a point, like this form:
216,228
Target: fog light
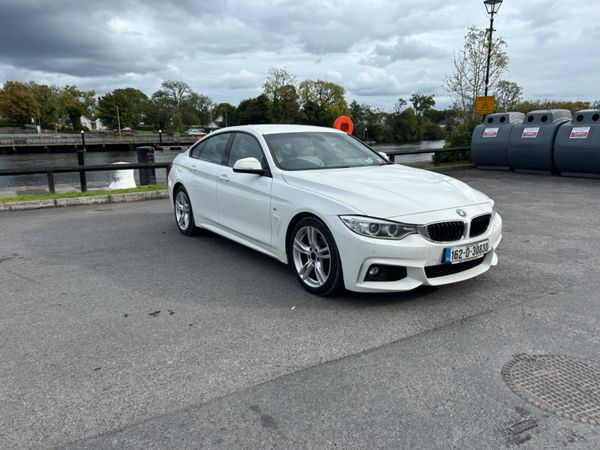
373,271
379,272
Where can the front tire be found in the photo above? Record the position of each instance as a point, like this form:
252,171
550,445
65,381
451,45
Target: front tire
314,257
184,216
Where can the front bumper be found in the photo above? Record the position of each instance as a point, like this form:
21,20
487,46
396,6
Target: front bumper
414,252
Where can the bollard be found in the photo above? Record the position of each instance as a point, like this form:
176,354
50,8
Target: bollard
81,162
146,155
122,178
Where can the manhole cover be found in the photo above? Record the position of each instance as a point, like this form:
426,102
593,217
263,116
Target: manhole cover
567,387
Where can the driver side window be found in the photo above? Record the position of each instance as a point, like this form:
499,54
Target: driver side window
245,146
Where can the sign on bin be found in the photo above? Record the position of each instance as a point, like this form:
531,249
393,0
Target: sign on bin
580,132
490,132
484,105
530,133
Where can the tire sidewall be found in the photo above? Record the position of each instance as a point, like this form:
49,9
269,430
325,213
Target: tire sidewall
335,281
191,226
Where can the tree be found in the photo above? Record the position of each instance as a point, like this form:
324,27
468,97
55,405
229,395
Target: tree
422,103
48,99
124,107
468,78
17,103
254,110
508,95
198,109
280,88
175,92
227,113
176,105
74,103
404,126
400,106
322,101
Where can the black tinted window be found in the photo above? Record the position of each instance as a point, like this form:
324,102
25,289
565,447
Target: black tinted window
213,148
245,146
195,150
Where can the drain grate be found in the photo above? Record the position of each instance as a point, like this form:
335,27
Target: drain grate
567,387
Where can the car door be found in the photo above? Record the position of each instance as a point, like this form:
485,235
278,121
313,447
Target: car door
205,165
245,199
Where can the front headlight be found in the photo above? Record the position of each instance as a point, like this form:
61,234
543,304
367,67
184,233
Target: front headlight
378,228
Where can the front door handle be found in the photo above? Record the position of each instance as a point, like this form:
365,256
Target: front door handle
224,178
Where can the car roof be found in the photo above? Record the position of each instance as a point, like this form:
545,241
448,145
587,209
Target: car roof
274,129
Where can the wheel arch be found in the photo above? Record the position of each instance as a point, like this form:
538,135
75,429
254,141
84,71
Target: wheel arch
176,188
288,234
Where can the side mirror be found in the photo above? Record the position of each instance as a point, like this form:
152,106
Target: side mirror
249,165
385,156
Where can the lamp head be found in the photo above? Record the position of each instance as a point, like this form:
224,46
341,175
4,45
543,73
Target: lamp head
492,6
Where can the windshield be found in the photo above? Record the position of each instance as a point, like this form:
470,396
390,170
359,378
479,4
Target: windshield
309,151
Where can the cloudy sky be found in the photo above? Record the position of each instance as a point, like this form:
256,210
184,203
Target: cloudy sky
378,49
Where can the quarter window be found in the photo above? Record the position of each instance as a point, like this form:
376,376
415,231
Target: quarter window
245,146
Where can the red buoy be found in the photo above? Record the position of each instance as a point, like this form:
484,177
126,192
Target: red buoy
344,123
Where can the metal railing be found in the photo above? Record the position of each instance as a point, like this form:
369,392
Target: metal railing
51,170
52,140
81,169
437,152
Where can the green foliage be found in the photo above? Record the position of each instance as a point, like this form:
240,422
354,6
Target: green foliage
17,103
574,106
422,103
508,95
460,136
322,102
93,193
48,99
227,113
254,110
127,105
75,103
280,88
176,106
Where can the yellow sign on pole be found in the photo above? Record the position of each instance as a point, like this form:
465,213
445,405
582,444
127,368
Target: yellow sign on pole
484,105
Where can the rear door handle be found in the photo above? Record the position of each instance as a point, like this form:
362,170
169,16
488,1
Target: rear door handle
224,178
193,167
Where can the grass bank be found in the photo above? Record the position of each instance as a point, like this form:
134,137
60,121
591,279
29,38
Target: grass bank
33,197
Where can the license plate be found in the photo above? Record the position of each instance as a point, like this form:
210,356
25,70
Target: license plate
455,255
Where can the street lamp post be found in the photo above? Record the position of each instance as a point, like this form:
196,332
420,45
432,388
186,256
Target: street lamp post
81,162
492,7
160,137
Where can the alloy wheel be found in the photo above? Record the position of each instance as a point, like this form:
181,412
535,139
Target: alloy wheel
182,210
312,256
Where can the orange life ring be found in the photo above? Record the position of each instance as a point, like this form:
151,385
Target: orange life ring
344,123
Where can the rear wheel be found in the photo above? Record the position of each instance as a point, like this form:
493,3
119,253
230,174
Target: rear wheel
184,215
314,258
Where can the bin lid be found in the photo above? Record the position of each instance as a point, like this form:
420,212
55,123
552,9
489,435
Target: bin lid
587,116
548,116
505,118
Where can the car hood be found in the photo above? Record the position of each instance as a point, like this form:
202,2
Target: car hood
387,191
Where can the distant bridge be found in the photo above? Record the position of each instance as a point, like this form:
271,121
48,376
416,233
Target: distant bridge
40,143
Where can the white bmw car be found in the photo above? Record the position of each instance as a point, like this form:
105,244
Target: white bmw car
335,210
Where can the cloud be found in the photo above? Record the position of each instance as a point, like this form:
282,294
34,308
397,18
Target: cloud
378,50
375,82
244,79
405,48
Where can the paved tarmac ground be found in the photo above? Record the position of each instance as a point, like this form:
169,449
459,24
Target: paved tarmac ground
118,332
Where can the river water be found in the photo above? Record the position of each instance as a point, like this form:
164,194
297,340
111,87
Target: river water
24,161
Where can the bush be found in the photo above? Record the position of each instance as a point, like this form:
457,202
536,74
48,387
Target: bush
460,136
